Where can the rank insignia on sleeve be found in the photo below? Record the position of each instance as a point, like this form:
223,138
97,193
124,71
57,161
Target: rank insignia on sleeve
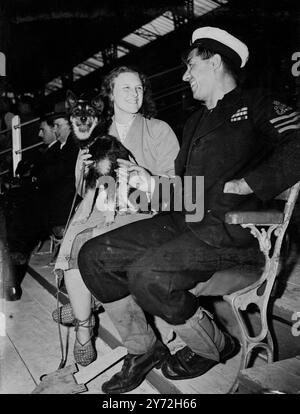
290,120
240,114
280,108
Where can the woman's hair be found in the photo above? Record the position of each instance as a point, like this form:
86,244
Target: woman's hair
206,53
147,109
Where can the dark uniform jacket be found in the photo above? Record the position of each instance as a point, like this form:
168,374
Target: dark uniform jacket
247,135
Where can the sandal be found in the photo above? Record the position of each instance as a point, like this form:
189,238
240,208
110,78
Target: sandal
64,315
85,353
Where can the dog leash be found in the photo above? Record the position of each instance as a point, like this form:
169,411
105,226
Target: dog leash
59,274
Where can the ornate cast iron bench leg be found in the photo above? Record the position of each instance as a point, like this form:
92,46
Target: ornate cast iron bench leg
269,228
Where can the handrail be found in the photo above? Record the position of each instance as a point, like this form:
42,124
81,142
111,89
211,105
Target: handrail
4,172
5,130
22,150
166,71
27,122
38,144
16,141
5,151
170,88
171,91
31,121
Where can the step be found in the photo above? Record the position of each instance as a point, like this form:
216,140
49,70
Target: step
279,377
33,346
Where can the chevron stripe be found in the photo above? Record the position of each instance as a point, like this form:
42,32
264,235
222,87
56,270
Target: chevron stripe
289,121
280,118
294,126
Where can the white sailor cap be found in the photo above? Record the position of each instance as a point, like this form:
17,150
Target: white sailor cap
221,42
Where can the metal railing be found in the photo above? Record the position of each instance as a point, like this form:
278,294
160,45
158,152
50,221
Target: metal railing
16,148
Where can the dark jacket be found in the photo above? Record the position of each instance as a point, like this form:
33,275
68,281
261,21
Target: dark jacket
47,157
248,135
56,182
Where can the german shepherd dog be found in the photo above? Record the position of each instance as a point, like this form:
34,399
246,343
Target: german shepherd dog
88,126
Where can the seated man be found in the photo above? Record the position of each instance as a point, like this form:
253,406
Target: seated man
246,146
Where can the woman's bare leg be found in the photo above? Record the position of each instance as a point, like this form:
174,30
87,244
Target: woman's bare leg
80,299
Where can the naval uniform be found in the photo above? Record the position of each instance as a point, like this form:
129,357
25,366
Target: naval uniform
249,135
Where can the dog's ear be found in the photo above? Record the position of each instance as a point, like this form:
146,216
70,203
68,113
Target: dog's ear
71,100
98,103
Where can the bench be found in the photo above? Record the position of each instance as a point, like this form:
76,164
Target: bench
242,287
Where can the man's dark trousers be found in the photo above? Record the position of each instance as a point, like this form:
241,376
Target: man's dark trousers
157,261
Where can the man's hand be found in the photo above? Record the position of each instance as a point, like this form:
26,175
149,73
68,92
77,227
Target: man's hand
237,187
138,177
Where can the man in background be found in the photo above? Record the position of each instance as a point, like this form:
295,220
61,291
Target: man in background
40,203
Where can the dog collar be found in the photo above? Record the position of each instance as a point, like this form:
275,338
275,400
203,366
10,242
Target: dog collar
87,146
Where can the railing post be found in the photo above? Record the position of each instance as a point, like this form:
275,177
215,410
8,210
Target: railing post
16,142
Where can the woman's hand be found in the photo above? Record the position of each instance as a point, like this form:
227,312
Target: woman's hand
84,160
81,168
135,175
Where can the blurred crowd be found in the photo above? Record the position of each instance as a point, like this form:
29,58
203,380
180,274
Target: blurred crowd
36,201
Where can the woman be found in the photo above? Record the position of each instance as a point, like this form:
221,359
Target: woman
155,147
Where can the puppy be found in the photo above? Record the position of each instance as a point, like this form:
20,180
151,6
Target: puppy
89,128
102,174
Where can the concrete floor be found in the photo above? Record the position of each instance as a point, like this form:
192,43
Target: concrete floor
31,347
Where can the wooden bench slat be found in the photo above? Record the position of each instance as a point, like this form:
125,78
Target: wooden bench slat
267,217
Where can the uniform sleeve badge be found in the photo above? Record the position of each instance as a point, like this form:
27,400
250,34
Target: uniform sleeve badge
240,114
280,108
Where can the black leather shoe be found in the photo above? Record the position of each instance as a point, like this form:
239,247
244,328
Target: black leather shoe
185,364
12,293
134,370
